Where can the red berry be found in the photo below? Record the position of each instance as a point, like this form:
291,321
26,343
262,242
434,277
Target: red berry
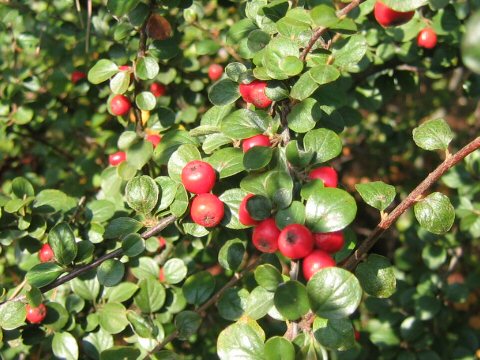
117,158
198,177
120,105
207,210
46,253
77,76
161,242
125,68
265,236
154,139
37,314
215,72
357,335
295,241
254,93
427,38
158,89
325,173
161,275
386,16
257,140
316,261
330,242
243,214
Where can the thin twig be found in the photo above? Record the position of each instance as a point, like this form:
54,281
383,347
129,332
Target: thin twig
89,25
351,262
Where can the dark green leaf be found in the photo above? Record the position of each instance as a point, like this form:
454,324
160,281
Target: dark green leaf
133,245
151,295
257,157
198,287
291,300
187,323
141,194
231,254
43,274
223,92
62,241
279,348
435,213
110,272
376,194
335,334
323,143
268,277
377,276
433,135
244,123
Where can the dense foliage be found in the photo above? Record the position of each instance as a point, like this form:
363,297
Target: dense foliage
192,179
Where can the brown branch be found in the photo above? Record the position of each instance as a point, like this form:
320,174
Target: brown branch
351,262
76,272
235,279
292,328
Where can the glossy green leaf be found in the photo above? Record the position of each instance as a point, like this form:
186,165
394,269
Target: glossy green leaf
65,346
120,82
133,245
62,241
146,101
44,274
180,158
227,162
336,334
199,287
231,254
12,315
232,304
433,135
121,292
174,271
257,157
223,92
259,303
304,116
323,143
141,194
244,123
294,214
187,323
112,317
291,300
103,70
151,295
147,68
377,276
435,213
121,227
376,194
241,341
405,5
279,348
120,352
268,277
110,272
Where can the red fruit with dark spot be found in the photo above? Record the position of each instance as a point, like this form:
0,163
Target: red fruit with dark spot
295,241
427,38
207,210
35,315
117,158
386,16
257,140
325,173
120,105
215,72
46,253
254,93
265,236
315,261
77,76
198,177
158,89
243,214
154,139
330,242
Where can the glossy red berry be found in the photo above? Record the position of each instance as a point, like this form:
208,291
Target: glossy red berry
35,315
325,173
330,242
386,16
161,275
357,335
265,236
257,140
117,158
427,38
154,139
207,210
316,261
295,241
46,253
215,72
243,214
254,93
198,177
77,76
125,68
161,242
158,89
244,90
120,105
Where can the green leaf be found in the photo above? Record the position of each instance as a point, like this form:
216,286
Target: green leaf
121,7
110,272
121,227
62,241
259,303
180,158
470,44
151,295
23,115
198,287
21,188
376,194
323,143
268,277
187,323
140,325
433,135
244,123
348,52
296,156
51,200
434,256
146,101
334,293
223,92
232,303
405,5
139,154
335,334
279,348
174,271
235,70
330,209
257,157
180,203
324,15
304,116
227,162
101,210
64,346
168,189
259,207
43,274
112,317
377,276
435,213
231,254
120,82
88,289
133,245
57,317
121,292
279,188
294,214
12,315
291,300
232,199
240,341
304,87
103,70
141,194
147,68
324,74
120,352
95,342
